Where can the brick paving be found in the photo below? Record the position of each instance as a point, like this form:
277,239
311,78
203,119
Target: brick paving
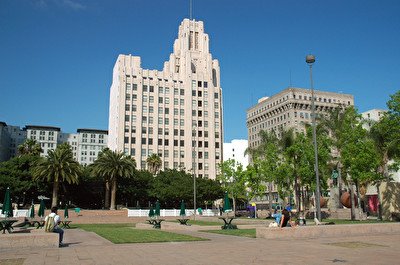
88,248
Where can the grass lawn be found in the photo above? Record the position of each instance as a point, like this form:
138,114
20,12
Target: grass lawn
346,222
235,232
126,233
202,223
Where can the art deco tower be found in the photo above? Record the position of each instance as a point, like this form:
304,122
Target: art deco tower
175,113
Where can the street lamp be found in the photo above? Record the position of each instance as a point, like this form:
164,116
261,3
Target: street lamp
310,59
194,143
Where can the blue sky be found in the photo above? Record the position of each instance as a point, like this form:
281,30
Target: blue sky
56,56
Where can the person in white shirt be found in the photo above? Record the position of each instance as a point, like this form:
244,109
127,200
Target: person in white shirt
57,221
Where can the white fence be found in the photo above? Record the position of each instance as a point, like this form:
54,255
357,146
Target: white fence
170,212
18,213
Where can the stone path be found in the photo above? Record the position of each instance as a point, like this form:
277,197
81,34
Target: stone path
88,248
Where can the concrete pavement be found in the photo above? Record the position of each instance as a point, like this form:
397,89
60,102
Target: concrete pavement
88,248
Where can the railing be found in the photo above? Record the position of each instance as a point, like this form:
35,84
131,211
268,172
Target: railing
18,213
170,212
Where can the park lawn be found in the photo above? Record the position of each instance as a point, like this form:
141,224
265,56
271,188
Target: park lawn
201,223
348,221
235,232
126,233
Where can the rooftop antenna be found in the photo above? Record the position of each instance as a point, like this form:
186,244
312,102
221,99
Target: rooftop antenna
290,77
190,9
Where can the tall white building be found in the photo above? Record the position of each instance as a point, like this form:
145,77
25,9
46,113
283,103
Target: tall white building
90,143
46,136
236,150
86,143
175,113
290,108
371,116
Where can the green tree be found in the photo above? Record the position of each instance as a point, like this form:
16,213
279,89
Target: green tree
266,160
154,163
171,186
136,191
58,166
333,124
114,165
358,156
254,182
16,174
29,147
232,178
386,136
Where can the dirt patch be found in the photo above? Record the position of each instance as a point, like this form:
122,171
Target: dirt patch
12,261
355,244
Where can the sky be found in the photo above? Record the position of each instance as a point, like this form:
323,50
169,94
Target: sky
57,56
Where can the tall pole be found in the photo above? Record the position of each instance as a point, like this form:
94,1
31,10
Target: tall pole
194,132
310,59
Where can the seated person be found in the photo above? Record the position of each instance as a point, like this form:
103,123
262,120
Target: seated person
55,225
285,219
277,217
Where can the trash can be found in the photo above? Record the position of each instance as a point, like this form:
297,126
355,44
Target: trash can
200,211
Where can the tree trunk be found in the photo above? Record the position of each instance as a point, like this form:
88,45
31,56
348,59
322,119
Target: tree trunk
270,198
379,201
107,196
297,194
113,193
340,184
360,211
234,205
54,200
352,202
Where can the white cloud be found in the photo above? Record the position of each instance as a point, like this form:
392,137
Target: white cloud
71,4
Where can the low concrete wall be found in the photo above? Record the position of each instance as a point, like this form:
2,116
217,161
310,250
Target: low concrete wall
32,238
328,231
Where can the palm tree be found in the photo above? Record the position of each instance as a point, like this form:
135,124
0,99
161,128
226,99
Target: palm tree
154,163
30,147
114,165
58,166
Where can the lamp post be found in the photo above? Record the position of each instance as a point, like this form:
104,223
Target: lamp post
310,59
194,143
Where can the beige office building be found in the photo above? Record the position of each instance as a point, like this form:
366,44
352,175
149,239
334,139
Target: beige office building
175,113
290,108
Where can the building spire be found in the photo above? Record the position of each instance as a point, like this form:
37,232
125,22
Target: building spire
190,9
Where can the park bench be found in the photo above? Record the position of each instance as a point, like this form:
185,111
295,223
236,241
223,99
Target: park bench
7,225
65,224
157,223
183,221
36,223
228,222
151,221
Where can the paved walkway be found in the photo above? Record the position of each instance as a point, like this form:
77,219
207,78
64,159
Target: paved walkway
88,248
